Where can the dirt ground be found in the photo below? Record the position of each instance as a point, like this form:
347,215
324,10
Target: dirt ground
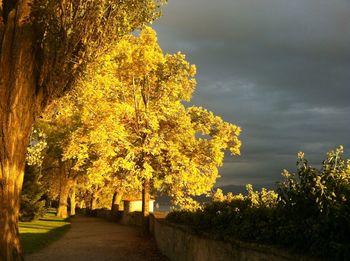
96,239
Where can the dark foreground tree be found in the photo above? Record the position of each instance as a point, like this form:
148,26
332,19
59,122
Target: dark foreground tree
44,47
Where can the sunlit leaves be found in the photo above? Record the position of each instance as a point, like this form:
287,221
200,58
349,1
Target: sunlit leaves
324,188
73,33
35,151
131,123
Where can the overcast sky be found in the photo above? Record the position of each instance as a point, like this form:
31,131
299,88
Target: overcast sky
280,69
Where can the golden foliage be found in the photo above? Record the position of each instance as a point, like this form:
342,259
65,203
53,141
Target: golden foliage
131,123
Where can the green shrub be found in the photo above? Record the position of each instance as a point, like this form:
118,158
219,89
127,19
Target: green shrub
318,202
32,204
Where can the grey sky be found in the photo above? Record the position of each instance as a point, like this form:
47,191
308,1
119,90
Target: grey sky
280,69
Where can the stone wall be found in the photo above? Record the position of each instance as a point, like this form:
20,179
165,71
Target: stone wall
132,218
115,216
179,243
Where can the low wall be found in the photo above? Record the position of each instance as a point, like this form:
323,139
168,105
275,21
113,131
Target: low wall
133,219
102,213
178,243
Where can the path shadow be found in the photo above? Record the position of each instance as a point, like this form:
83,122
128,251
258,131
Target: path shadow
32,242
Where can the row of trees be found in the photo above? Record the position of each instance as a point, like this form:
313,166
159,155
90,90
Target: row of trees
45,47
114,114
124,129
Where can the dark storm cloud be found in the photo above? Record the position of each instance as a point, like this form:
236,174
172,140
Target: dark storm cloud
278,68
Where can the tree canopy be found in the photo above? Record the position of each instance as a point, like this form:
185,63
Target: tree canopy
45,47
132,124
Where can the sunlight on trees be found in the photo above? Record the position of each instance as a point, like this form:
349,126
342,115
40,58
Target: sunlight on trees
45,48
133,132
115,121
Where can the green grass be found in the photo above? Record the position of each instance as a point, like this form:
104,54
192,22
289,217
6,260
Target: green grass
39,233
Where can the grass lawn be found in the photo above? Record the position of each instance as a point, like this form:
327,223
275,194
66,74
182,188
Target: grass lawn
39,233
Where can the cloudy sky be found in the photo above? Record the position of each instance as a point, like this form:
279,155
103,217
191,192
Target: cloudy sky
280,69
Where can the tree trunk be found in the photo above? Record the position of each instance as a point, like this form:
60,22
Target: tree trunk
18,101
87,200
72,200
62,210
94,197
146,187
65,185
117,198
12,178
93,201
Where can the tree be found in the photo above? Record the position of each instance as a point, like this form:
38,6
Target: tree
58,130
32,203
74,160
45,47
133,119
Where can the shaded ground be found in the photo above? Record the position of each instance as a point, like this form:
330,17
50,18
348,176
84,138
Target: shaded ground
96,239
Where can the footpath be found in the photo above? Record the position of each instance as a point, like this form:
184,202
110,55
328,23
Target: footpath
91,239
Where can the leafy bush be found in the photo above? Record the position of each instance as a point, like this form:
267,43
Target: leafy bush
318,201
309,212
231,215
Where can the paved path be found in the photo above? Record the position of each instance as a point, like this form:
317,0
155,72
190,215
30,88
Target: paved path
96,239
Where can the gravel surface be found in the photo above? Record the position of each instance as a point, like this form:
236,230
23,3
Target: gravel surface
96,239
